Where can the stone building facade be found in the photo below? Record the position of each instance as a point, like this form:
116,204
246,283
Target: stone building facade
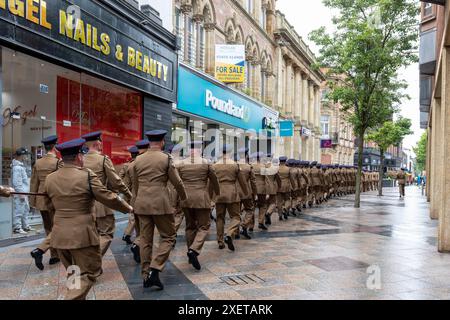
279,69
336,127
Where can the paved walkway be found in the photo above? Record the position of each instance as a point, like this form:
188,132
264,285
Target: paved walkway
385,250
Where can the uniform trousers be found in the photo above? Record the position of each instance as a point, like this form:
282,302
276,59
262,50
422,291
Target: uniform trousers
283,202
89,262
234,211
198,222
47,220
106,226
179,216
248,220
401,188
166,228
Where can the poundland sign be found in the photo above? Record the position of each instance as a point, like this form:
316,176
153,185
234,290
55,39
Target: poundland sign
227,107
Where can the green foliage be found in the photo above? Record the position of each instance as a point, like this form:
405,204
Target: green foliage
390,133
374,39
421,152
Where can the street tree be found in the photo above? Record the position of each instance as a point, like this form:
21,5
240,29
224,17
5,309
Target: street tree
373,40
389,134
421,152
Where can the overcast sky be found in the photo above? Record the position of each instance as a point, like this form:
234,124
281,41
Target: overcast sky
307,15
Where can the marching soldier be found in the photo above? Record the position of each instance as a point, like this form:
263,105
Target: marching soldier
103,167
247,199
48,164
201,183
142,147
124,174
288,182
151,172
274,183
71,192
229,174
295,187
315,182
304,181
261,189
401,178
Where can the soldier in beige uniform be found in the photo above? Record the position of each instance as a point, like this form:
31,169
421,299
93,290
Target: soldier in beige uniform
142,147
71,192
401,178
48,164
274,183
303,182
229,175
103,167
124,174
201,184
316,182
247,199
262,188
151,172
295,186
288,182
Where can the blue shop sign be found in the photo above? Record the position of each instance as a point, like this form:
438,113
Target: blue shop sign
199,96
286,128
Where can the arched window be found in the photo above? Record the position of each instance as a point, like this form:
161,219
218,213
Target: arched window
191,22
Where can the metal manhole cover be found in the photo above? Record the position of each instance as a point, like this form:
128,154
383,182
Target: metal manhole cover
242,279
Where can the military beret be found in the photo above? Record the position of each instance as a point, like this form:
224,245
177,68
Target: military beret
133,150
72,147
156,135
313,163
290,162
283,159
92,136
143,144
50,140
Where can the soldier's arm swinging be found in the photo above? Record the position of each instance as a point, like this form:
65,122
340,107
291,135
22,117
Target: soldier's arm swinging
174,178
114,180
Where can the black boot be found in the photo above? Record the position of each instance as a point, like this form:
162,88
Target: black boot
136,253
245,234
37,255
153,280
262,227
280,217
192,255
127,239
268,220
53,261
229,243
285,214
304,206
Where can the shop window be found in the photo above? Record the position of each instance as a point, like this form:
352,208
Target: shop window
427,9
325,123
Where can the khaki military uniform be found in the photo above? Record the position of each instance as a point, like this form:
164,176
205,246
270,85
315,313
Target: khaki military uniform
288,182
43,167
229,174
295,186
201,183
247,199
71,194
316,183
151,172
274,183
124,174
103,167
401,178
303,181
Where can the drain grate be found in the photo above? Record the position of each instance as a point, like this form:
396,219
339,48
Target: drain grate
242,279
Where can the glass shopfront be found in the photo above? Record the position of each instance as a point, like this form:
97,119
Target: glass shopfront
205,103
85,65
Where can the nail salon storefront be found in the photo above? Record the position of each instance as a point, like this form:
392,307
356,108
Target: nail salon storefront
71,67
205,103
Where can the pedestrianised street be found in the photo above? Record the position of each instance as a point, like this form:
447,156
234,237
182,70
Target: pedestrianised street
385,250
